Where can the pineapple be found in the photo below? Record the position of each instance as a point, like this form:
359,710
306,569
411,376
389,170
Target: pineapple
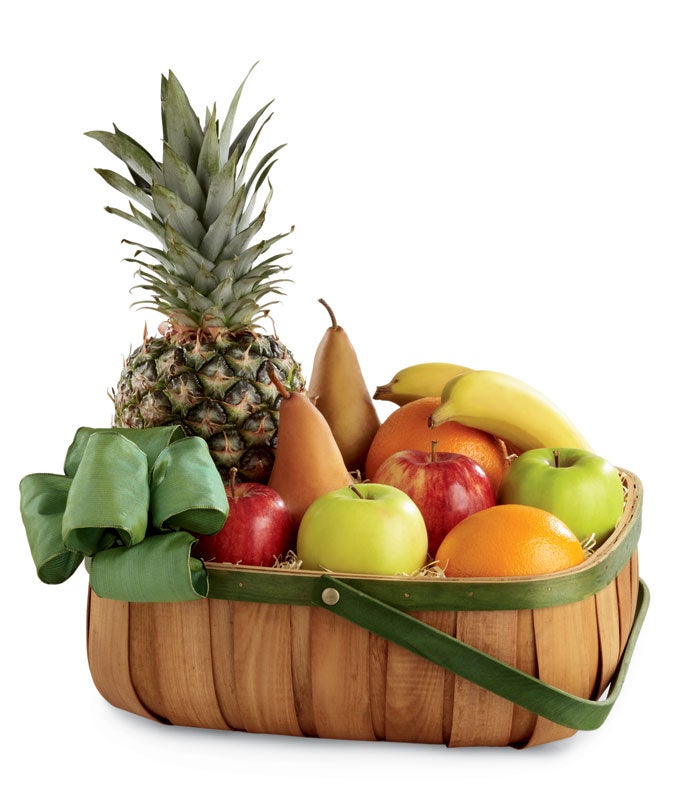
207,368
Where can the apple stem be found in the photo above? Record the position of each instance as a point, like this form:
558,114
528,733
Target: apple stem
556,455
273,377
356,491
233,471
334,322
434,452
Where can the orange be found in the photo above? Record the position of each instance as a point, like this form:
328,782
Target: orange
407,428
509,540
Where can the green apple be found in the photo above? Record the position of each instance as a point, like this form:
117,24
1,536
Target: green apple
366,528
576,485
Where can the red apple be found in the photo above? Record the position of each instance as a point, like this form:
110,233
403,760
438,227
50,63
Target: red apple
258,529
446,487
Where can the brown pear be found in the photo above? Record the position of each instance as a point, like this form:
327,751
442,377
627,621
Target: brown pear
308,462
338,390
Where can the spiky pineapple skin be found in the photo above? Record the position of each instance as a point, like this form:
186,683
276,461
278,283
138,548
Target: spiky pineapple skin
216,388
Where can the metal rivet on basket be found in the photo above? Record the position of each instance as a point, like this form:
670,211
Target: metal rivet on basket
330,596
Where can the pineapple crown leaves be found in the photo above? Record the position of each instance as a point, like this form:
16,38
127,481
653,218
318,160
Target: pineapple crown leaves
202,203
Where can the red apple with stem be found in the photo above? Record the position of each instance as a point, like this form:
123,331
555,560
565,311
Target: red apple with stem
258,529
446,486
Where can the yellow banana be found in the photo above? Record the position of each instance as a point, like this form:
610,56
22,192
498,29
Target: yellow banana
418,380
507,408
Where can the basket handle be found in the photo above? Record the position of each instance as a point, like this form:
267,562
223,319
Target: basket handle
472,664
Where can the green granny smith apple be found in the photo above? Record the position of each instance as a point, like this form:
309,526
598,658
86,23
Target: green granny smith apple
576,485
366,528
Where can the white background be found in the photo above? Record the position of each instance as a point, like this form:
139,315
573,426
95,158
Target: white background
493,183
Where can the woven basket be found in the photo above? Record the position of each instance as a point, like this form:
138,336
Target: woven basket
516,662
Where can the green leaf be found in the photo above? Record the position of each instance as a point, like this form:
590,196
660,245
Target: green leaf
196,302
139,180
241,264
121,214
245,312
227,126
222,230
181,127
181,216
266,266
222,188
241,240
209,156
150,224
223,294
168,289
180,248
204,281
171,261
225,268
248,152
139,219
158,292
256,282
138,160
248,212
179,178
262,169
126,187
241,140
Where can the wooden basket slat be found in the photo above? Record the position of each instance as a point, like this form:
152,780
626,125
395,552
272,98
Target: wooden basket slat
634,589
301,669
222,652
494,633
341,676
609,635
378,651
262,643
591,645
108,652
635,574
171,668
624,590
524,721
414,710
571,666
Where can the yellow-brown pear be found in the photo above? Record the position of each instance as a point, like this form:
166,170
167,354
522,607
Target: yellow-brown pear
338,390
308,462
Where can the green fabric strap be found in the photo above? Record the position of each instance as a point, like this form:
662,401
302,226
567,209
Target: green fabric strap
43,501
108,501
186,489
160,569
128,502
472,664
152,442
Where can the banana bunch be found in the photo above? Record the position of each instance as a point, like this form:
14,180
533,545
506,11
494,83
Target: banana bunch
419,380
491,401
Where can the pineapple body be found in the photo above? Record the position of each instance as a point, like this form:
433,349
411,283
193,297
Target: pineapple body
217,389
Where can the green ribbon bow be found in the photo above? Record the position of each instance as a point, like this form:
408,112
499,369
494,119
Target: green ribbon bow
128,503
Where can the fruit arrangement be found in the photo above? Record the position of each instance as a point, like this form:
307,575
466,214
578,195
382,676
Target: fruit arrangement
474,473
214,373
225,462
